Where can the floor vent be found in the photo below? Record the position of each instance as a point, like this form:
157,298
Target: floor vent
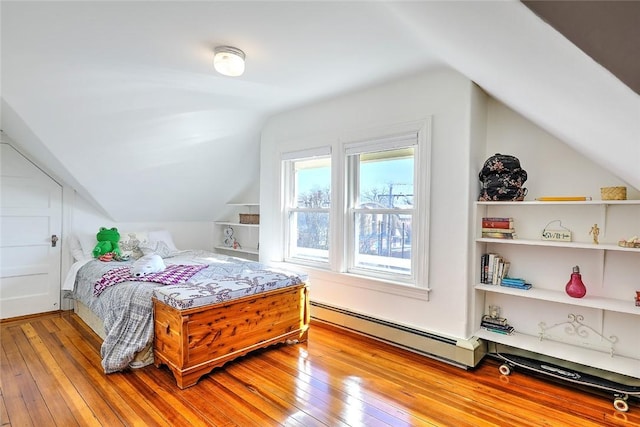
462,353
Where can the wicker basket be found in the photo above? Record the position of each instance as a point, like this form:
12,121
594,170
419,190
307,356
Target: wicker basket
613,193
249,218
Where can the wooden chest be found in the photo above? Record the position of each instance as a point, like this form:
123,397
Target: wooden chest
194,341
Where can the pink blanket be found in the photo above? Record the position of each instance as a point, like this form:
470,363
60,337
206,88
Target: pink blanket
172,275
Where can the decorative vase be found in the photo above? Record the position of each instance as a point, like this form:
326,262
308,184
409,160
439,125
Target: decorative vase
575,288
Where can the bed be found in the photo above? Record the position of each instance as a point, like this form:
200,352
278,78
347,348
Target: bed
226,308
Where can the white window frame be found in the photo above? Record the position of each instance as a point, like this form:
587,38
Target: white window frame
414,134
290,202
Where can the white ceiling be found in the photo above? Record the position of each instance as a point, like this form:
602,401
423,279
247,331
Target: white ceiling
120,100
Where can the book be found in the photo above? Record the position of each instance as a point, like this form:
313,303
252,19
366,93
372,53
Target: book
497,222
484,259
495,235
490,266
505,271
497,262
493,268
499,274
504,327
524,286
497,218
501,321
498,230
514,280
507,331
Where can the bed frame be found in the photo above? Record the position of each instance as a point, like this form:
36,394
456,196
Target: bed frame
192,342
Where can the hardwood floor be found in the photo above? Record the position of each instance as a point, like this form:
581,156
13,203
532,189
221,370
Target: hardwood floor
51,375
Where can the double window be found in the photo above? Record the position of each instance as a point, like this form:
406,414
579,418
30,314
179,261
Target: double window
370,225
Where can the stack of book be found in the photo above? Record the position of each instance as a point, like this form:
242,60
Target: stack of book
498,228
493,268
515,283
496,324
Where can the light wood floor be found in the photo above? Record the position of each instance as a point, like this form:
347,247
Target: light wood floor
51,375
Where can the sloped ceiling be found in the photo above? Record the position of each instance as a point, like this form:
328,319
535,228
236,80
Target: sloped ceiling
120,99
608,31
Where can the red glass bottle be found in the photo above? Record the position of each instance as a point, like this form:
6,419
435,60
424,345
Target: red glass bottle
575,288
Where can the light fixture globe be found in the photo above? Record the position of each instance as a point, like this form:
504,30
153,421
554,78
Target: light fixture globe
228,61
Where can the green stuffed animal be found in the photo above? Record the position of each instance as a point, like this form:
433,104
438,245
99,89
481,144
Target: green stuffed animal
107,242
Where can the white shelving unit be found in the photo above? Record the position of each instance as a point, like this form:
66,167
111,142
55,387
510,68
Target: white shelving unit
608,335
249,232
609,304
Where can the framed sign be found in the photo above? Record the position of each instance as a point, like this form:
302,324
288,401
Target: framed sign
559,233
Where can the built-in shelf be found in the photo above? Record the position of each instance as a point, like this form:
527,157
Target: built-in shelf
550,243
240,250
602,303
613,268
247,233
565,351
236,224
578,203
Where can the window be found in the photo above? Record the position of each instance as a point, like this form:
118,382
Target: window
307,209
371,225
381,207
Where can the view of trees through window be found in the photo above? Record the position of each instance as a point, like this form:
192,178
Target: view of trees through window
309,219
382,213
384,210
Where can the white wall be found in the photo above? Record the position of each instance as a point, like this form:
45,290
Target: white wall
554,168
477,155
81,218
467,127
186,235
444,96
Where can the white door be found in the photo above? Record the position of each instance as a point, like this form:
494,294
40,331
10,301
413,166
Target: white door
30,214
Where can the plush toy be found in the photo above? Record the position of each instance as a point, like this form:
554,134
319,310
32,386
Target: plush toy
107,242
148,264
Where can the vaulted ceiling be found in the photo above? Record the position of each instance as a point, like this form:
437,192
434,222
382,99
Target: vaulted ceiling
119,99
608,31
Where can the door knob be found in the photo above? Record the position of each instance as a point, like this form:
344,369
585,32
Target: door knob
54,240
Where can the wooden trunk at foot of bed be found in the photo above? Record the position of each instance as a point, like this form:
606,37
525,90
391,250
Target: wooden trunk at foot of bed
194,341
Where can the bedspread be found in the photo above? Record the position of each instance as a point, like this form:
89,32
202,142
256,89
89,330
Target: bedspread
126,308
172,275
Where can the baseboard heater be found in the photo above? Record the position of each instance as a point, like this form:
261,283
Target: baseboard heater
462,353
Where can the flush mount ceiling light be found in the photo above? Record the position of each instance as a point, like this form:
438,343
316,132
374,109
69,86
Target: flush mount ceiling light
228,60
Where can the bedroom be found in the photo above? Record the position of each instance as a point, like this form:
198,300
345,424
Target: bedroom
395,102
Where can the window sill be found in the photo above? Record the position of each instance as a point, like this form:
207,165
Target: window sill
359,281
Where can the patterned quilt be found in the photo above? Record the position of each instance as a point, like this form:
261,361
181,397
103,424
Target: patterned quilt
172,275
126,308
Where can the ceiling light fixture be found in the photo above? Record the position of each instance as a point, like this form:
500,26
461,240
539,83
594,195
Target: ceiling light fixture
228,61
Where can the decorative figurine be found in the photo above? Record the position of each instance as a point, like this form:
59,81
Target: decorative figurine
595,232
494,311
229,239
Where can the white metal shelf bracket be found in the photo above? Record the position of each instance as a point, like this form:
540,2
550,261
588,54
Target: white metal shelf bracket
575,326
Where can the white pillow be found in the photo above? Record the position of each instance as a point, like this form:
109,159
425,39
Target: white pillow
162,236
76,248
158,248
82,244
130,243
